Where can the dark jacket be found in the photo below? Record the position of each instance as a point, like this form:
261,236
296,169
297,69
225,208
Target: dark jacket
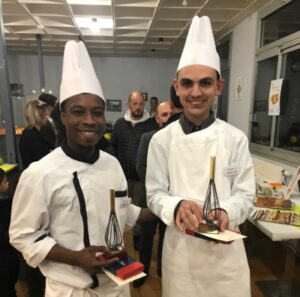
142,153
5,210
33,146
48,133
125,141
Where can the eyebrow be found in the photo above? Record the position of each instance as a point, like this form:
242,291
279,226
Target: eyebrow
82,106
202,79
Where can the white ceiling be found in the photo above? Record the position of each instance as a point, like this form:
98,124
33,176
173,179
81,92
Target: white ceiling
141,28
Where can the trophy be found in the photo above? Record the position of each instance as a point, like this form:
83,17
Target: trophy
126,266
211,207
113,235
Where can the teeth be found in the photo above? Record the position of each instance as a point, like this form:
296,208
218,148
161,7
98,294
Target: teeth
88,133
197,102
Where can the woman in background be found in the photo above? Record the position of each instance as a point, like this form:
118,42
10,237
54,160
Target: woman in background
33,145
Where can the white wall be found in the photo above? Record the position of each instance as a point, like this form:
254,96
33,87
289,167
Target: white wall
118,76
242,65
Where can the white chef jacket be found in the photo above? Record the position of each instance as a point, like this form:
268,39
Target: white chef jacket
178,168
46,211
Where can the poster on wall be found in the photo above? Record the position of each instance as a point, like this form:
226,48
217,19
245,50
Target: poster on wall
274,97
16,89
114,105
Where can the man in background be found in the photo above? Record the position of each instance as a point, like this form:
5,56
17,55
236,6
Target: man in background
148,229
125,140
153,106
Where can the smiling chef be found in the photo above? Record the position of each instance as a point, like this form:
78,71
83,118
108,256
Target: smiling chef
178,175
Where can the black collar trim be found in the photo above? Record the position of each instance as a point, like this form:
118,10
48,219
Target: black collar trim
188,127
70,153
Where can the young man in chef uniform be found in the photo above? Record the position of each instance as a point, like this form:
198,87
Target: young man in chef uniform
178,175
62,203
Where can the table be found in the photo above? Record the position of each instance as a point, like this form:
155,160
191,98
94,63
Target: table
289,236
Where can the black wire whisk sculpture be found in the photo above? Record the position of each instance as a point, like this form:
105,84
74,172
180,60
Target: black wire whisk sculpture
211,207
113,234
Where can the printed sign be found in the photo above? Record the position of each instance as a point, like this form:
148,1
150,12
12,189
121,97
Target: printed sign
274,97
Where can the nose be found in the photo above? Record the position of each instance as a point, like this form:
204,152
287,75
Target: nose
88,118
196,91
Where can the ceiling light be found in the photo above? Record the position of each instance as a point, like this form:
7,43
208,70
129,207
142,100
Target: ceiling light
90,2
94,24
184,3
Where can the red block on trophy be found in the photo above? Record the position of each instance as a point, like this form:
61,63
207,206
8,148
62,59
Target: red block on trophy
126,268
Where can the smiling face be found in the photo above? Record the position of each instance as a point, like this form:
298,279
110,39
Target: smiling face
197,86
84,120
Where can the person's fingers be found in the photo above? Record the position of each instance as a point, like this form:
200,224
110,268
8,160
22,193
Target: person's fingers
197,212
224,221
179,222
109,262
191,221
223,225
98,249
189,215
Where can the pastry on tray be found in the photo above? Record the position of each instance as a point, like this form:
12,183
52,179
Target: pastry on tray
272,202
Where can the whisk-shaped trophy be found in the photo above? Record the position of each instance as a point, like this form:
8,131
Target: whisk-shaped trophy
126,266
211,207
113,234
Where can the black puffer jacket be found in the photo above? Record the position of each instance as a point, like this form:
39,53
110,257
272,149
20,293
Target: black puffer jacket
125,141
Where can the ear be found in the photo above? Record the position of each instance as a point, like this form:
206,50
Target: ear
220,86
63,117
175,85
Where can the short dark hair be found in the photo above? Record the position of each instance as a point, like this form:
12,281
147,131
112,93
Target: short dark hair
154,98
174,98
2,175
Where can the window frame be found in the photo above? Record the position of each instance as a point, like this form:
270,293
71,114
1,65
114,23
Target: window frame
277,48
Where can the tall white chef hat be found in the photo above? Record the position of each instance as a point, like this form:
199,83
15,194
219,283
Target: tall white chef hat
78,74
200,48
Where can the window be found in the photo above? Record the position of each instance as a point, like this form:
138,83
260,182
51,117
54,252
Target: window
278,136
261,123
288,123
281,23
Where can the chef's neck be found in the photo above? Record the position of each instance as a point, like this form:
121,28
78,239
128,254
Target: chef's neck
197,120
